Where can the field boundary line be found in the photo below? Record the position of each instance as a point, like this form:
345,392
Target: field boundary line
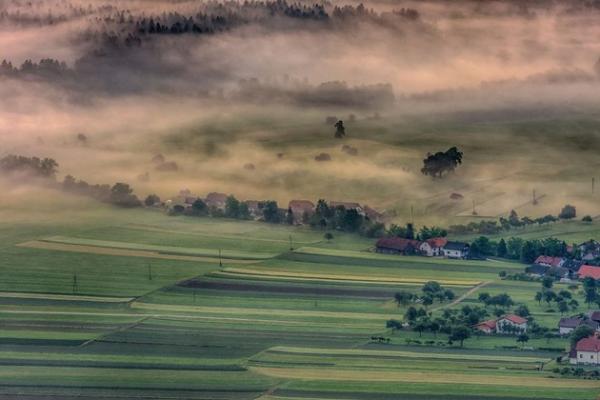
119,329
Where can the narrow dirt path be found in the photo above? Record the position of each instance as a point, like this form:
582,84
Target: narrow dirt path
462,297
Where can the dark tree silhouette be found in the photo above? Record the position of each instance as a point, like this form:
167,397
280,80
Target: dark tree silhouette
435,165
340,130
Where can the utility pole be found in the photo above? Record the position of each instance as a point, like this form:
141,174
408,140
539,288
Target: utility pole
75,284
149,271
291,244
474,212
220,260
593,184
412,214
534,199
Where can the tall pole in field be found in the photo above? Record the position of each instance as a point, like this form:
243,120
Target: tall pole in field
593,182
75,284
291,244
149,271
534,199
220,260
412,214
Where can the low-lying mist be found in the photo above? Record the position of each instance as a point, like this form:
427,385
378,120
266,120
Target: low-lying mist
240,98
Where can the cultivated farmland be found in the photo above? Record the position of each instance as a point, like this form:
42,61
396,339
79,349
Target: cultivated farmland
108,307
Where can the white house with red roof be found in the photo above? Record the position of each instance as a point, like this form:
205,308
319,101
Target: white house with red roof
433,247
550,261
586,351
511,323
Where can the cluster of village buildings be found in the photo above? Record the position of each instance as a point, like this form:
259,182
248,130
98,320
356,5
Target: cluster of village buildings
434,247
587,350
301,210
567,269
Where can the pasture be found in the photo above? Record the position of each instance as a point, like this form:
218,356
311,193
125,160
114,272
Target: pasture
108,307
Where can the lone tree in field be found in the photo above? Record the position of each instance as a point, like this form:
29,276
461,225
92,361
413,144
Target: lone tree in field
568,212
435,165
459,333
340,130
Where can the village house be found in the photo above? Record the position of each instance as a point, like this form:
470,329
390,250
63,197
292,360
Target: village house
455,250
397,245
511,324
301,210
487,327
594,316
348,206
567,325
550,261
433,247
586,351
373,214
216,200
254,208
590,250
589,271
536,270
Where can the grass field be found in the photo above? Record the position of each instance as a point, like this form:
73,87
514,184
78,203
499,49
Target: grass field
108,307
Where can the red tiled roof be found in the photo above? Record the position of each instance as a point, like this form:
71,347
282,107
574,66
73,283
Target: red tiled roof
547,260
515,319
589,271
437,242
490,324
397,243
589,344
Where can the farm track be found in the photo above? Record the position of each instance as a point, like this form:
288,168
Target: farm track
462,297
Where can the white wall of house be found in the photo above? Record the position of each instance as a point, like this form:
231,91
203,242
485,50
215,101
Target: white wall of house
453,253
426,249
565,331
587,357
503,322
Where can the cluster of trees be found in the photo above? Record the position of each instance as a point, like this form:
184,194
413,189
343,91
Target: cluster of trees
430,292
120,194
347,220
516,248
489,227
455,323
234,208
499,301
590,291
435,165
45,168
563,299
45,67
408,232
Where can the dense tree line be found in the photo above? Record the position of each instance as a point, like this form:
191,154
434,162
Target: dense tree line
120,194
45,168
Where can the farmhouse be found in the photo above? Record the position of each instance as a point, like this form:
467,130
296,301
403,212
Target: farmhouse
550,261
537,270
487,327
594,316
397,245
589,271
301,210
589,250
433,247
254,208
216,200
511,324
586,351
373,214
569,324
455,250
348,206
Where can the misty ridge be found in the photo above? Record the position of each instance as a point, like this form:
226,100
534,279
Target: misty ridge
302,53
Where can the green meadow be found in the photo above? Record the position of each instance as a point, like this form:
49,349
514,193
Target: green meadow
136,304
